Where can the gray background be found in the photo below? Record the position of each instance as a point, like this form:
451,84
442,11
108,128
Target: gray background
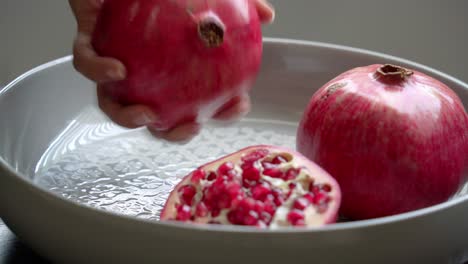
432,32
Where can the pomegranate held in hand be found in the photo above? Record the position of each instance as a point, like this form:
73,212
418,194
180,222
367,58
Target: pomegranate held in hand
263,186
396,140
185,58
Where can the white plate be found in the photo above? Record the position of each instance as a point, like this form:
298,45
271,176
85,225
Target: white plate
79,189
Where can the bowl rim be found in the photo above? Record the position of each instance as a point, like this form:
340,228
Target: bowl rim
353,225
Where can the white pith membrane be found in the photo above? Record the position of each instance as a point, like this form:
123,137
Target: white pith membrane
312,213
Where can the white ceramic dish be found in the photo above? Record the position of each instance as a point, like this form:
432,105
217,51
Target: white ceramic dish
79,189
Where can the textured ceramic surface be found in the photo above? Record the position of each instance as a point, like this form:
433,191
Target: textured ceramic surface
80,189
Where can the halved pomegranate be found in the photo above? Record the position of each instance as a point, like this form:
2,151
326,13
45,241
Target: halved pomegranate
263,186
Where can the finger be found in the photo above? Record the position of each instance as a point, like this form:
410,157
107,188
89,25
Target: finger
265,11
93,67
181,134
85,12
234,109
132,116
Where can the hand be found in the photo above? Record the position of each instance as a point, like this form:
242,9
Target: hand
102,69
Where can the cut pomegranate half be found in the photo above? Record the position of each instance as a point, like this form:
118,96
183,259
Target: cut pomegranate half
263,186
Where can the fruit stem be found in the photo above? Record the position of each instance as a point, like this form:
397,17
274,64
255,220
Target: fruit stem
392,73
211,32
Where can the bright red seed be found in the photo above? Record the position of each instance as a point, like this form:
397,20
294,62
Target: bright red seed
251,174
273,172
279,159
201,210
187,193
183,212
225,168
321,198
212,176
300,203
198,175
326,187
310,197
254,155
295,217
267,165
291,174
215,212
277,197
319,187
269,207
261,191
251,218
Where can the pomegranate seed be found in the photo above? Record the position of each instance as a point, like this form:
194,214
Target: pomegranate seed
295,216
325,187
215,212
292,185
247,184
183,212
251,218
232,217
230,175
300,223
269,207
264,216
212,176
198,175
310,197
225,168
230,193
279,159
268,165
261,224
258,206
291,174
251,174
260,192
320,187
278,199
321,198
300,203
201,210
255,155
273,172
187,192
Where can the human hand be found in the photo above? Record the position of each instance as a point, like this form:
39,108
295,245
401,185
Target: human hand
103,69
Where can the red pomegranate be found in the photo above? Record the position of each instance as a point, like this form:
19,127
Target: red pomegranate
395,139
185,58
264,186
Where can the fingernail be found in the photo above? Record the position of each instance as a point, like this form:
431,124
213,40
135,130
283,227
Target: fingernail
116,74
98,3
144,119
272,11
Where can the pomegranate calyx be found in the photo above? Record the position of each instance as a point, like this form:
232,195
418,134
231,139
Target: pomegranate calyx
211,31
392,73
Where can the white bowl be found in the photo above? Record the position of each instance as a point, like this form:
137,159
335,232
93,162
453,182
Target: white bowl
79,189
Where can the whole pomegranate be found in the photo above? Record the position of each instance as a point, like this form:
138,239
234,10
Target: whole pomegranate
263,186
395,139
185,58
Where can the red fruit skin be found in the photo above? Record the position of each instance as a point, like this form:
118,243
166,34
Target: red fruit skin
392,147
168,65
